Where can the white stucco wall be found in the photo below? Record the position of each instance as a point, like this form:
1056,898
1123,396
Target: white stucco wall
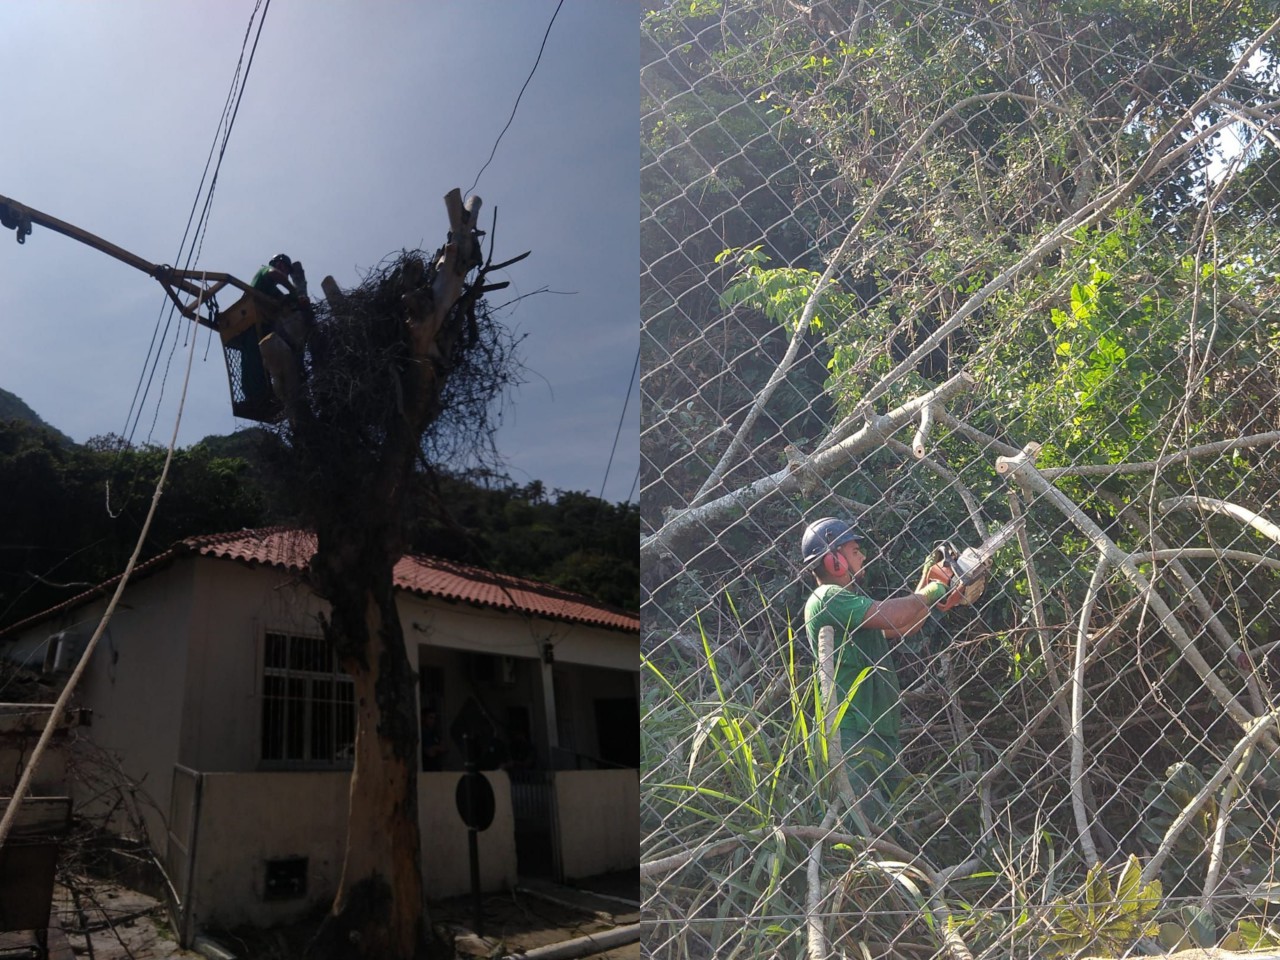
247,819
599,815
463,627
446,867
133,684
234,606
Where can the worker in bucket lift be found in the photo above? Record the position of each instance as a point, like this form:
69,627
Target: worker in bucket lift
831,550
284,280
279,278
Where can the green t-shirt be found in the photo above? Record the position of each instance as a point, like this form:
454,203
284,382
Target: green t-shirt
264,282
876,708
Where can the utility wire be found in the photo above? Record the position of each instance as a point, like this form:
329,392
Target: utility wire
621,420
518,96
235,92
202,226
226,108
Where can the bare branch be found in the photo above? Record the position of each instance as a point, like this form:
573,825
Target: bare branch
1149,466
823,463
1209,505
1022,469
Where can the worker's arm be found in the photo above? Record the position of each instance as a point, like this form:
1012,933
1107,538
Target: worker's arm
903,616
281,280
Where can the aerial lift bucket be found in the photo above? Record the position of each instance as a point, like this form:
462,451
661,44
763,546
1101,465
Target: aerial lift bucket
240,327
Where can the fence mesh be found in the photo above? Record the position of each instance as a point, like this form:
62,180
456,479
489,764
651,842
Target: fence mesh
930,268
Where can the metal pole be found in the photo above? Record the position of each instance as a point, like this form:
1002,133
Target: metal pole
473,842
473,851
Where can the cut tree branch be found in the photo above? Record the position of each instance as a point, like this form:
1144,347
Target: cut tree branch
1254,731
833,264
1192,587
787,480
1209,505
922,433
952,479
1022,469
1149,466
1077,713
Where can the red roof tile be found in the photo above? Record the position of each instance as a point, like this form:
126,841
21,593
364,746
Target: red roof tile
292,549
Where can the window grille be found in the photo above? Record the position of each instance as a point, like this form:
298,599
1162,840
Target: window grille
308,704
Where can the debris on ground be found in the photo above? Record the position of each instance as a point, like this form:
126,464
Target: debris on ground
531,916
106,921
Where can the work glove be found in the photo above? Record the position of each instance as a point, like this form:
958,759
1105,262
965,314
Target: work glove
936,572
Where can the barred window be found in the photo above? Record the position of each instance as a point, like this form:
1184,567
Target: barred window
308,703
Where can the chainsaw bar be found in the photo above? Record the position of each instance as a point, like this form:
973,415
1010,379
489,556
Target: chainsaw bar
973,564
987,549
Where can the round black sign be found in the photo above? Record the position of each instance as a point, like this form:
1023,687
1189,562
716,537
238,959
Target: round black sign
475,801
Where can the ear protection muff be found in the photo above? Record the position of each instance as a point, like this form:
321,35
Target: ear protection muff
834,564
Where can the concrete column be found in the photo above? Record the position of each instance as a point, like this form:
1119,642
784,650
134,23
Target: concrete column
549,699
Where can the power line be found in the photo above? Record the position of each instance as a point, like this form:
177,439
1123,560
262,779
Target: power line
60,705
518,96
235,79
202,225
621,420
236,92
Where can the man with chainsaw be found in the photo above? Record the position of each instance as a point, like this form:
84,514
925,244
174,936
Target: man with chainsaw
831,549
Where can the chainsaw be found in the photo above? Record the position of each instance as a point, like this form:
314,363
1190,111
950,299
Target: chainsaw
970,567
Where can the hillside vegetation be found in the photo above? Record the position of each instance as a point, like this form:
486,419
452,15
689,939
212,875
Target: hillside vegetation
73,513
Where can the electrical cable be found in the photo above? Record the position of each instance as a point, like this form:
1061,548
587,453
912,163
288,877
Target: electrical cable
634,483
621,420
203,224
235,92
226,109
518,96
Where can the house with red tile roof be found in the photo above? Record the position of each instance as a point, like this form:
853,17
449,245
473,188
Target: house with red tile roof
214,686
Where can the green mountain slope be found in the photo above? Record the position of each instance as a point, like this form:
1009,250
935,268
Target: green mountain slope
13,408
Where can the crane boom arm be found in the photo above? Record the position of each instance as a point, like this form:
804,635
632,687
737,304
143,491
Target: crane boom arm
197,284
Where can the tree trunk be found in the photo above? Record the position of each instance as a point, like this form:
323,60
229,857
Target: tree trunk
379,911
379,908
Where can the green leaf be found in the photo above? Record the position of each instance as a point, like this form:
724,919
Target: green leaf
1097,886
1258,936
1201,925
1173,938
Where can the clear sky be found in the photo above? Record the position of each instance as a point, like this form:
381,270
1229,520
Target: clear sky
356,119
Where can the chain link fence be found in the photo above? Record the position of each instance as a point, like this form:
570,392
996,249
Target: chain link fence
932,268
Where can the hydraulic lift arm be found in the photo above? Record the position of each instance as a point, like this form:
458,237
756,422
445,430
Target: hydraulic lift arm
241,327
199,286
